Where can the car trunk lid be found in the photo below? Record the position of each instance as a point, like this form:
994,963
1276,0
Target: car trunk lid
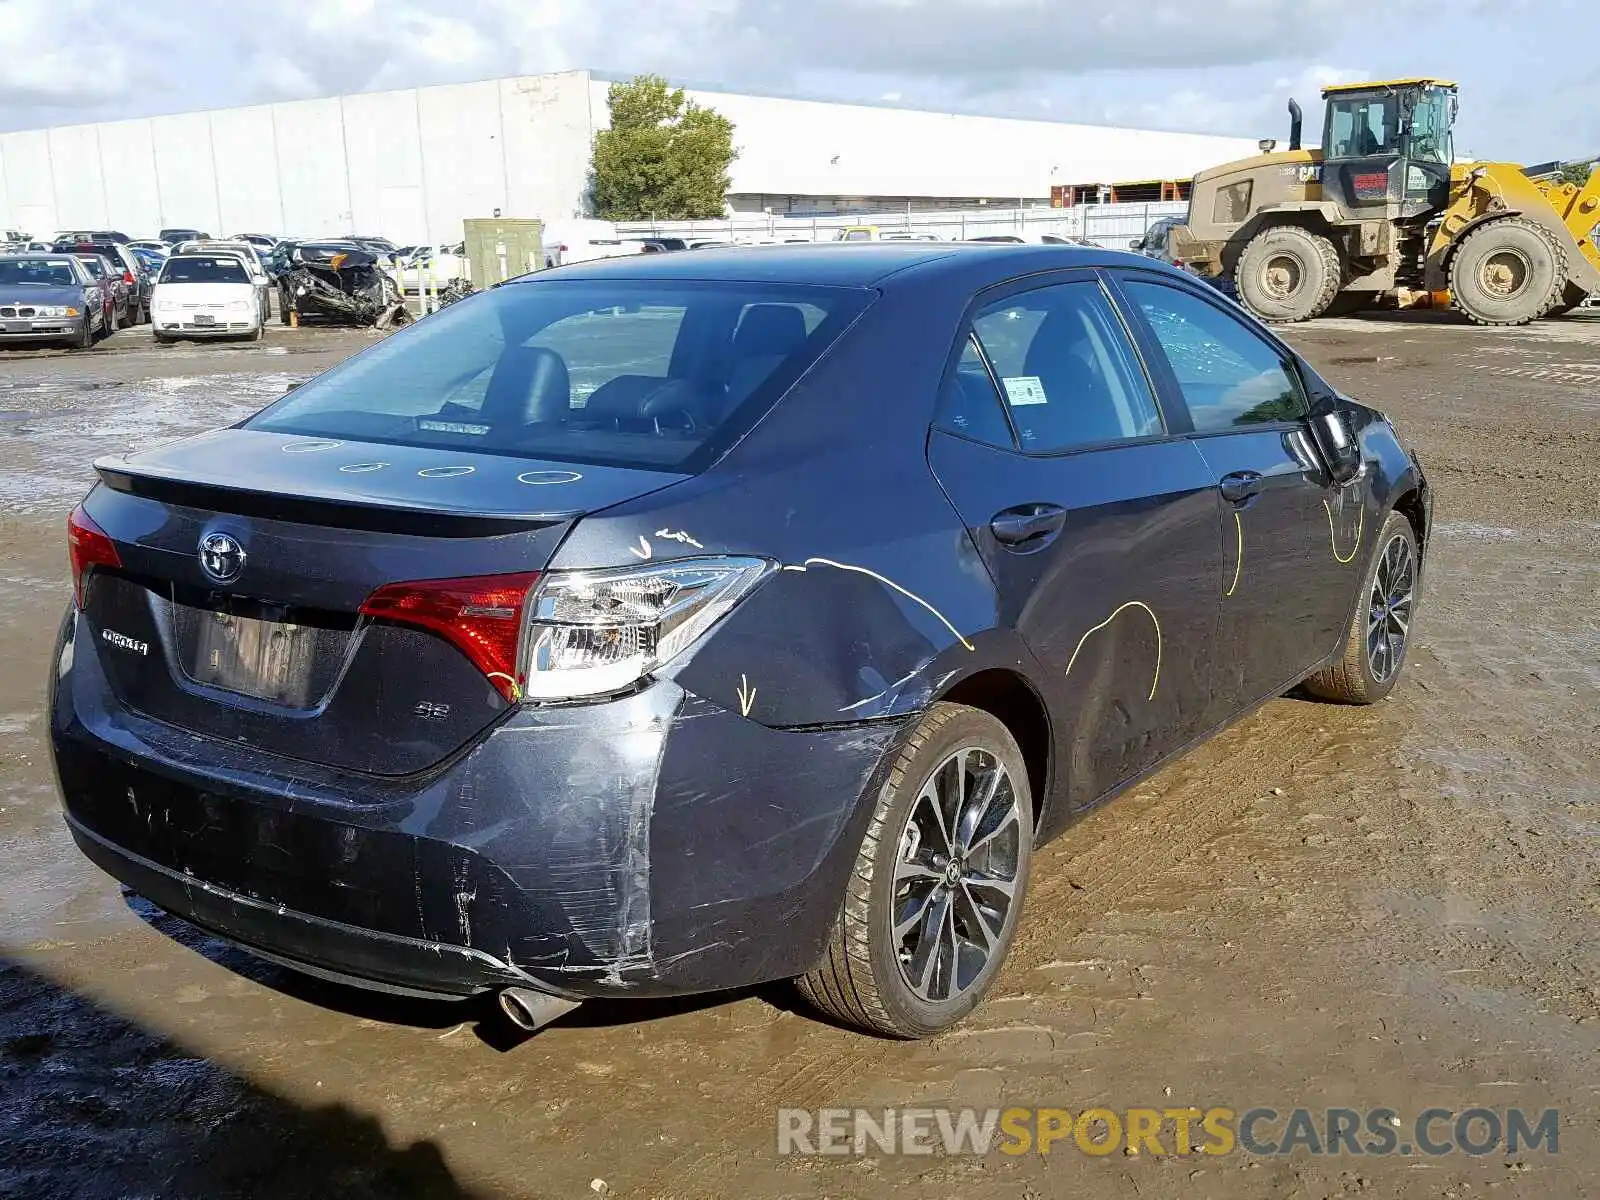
239,608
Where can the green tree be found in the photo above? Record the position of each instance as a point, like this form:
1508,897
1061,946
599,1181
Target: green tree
1578,173
664,156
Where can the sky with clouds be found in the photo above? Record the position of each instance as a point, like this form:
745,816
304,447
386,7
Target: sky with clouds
1529,87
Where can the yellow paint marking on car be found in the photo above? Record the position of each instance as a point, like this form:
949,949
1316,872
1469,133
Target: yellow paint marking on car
1156,678
909,595
1238,562
1361,516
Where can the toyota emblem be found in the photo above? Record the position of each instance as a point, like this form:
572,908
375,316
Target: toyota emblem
221,557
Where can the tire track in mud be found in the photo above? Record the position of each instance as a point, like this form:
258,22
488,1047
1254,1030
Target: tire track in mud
1108,853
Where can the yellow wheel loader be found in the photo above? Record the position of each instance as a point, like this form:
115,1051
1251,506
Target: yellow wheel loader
1383,208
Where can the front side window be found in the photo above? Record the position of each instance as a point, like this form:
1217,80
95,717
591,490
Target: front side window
96,267
1229,376
1363,127
1430,128
1068,372
652,374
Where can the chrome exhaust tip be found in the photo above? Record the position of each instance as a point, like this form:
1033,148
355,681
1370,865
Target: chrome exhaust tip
531,1010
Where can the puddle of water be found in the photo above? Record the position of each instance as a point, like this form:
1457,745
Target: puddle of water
46,465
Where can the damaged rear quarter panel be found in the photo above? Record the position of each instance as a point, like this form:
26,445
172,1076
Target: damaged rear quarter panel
879,595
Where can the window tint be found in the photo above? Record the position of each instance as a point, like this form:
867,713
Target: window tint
1227,374
203,270
52,271
1069,374
649,335
661,374
970,406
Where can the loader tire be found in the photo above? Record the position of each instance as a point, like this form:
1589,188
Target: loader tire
1288,274
1508,272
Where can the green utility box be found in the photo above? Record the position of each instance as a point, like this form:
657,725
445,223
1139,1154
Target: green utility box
501,248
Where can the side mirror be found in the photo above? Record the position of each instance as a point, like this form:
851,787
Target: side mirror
1136,244
1330,428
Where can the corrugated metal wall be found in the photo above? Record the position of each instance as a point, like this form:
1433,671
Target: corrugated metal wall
410,165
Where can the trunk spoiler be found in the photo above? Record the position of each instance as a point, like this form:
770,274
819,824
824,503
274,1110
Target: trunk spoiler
390,517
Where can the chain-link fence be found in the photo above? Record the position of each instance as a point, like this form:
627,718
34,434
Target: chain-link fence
1109,225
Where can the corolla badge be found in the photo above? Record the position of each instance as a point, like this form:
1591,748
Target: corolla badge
221,557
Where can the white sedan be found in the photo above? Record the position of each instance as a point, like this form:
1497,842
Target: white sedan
206,295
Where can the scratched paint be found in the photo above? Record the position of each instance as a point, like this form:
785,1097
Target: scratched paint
887,582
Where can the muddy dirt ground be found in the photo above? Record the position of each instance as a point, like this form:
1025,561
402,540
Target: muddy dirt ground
1326,906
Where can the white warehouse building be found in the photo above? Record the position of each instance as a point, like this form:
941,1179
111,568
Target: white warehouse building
411,164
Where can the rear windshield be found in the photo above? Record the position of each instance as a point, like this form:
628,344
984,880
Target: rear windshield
203,270
34,270
654,374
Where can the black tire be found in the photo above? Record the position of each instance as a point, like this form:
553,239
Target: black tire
1508,272
142,317
85,338
1354,679
1288,274
283,307
162,339
861,979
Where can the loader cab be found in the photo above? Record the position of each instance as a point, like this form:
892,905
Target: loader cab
1386,147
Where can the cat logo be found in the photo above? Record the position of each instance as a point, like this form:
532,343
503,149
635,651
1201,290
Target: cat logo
429,711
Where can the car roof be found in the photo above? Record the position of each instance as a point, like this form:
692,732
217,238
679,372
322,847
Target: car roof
846,264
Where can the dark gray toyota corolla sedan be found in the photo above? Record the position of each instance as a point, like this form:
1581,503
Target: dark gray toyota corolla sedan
672,623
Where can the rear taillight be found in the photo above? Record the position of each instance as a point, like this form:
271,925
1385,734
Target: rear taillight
88,546
127,277
482,616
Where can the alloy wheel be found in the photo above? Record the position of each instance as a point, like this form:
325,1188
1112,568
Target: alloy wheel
955,878
1391,602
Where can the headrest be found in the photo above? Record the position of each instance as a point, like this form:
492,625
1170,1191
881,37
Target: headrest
529,384
769,330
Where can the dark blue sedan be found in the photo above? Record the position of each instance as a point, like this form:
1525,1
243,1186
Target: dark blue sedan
672,623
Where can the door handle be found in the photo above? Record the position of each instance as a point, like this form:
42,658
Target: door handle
1239,486
1028,525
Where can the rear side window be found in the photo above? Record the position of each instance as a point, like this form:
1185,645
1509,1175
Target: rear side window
636,373
968,404
1067,369
1229,376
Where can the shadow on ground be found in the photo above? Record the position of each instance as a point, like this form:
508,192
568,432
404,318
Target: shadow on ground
92,1105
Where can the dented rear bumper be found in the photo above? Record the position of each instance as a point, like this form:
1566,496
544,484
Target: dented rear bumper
655,844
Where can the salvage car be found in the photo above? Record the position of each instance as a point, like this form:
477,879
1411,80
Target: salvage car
207,296
173,236
338,281
118,297
123,261
49,297
675,623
